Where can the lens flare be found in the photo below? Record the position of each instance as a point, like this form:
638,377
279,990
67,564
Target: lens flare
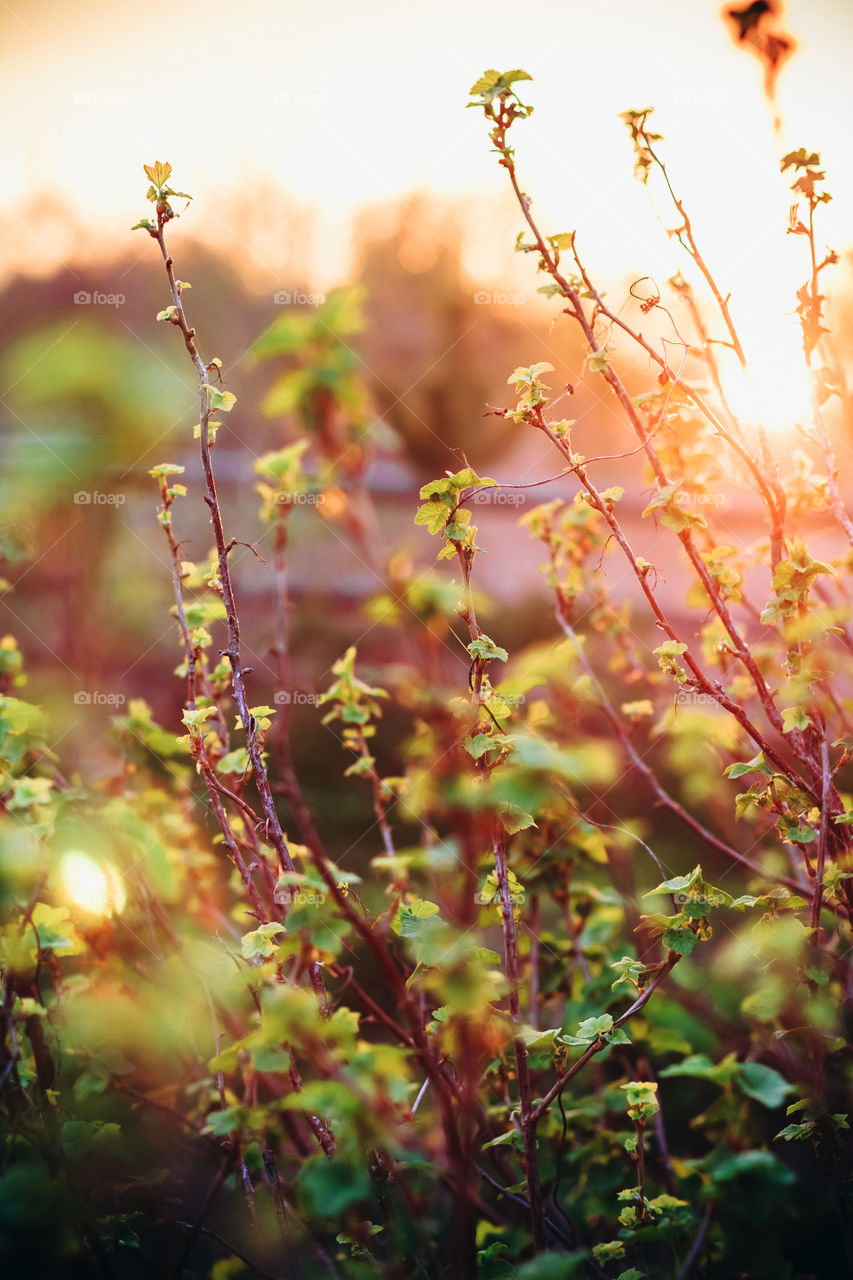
774,391
94,886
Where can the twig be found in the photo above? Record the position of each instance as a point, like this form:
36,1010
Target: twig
696,1247
600,1044
528,1124
273,825
226,1244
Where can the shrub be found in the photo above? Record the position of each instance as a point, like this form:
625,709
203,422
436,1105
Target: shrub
582,1011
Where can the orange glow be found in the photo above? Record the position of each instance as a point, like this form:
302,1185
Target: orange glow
775,391
94,886
294,113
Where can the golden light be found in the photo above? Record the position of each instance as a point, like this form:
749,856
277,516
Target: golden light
774,392
94,886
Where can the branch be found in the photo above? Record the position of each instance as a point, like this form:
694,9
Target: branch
273,829
528,1125
600,1044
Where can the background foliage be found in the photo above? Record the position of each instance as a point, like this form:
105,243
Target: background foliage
546,973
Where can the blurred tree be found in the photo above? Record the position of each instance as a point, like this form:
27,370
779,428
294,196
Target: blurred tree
433,344
83,405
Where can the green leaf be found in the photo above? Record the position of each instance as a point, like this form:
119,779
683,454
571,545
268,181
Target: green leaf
53,929
608,1251
78,1137
796,1132
166,469
537,1040
322,1097
407,921
700,1066
522,376
780,899
800,835
641,1097
493,82
193,719
794,718
259,943
553,1266
601,1028
221,1123
221,401
662,499
678,884
479,745
326,1188
486,649
512,1138
681,941
515,819
762,1165
629,971
236,761
756,765
763,1084
434,513
159,173
663,1203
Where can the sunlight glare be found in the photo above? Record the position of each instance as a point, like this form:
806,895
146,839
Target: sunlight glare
775,391
96,887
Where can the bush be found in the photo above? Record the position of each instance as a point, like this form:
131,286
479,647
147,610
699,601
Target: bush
582,1011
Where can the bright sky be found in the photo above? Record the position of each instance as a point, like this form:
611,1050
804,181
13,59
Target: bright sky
346,103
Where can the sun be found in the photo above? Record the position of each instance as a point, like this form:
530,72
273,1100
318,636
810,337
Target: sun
773,392
94,886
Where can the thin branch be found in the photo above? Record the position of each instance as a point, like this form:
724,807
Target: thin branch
820,868
522,1067
273,829
696,1247
226,1244
599,1045
663,796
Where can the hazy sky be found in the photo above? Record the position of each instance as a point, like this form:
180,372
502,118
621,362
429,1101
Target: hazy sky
343,104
